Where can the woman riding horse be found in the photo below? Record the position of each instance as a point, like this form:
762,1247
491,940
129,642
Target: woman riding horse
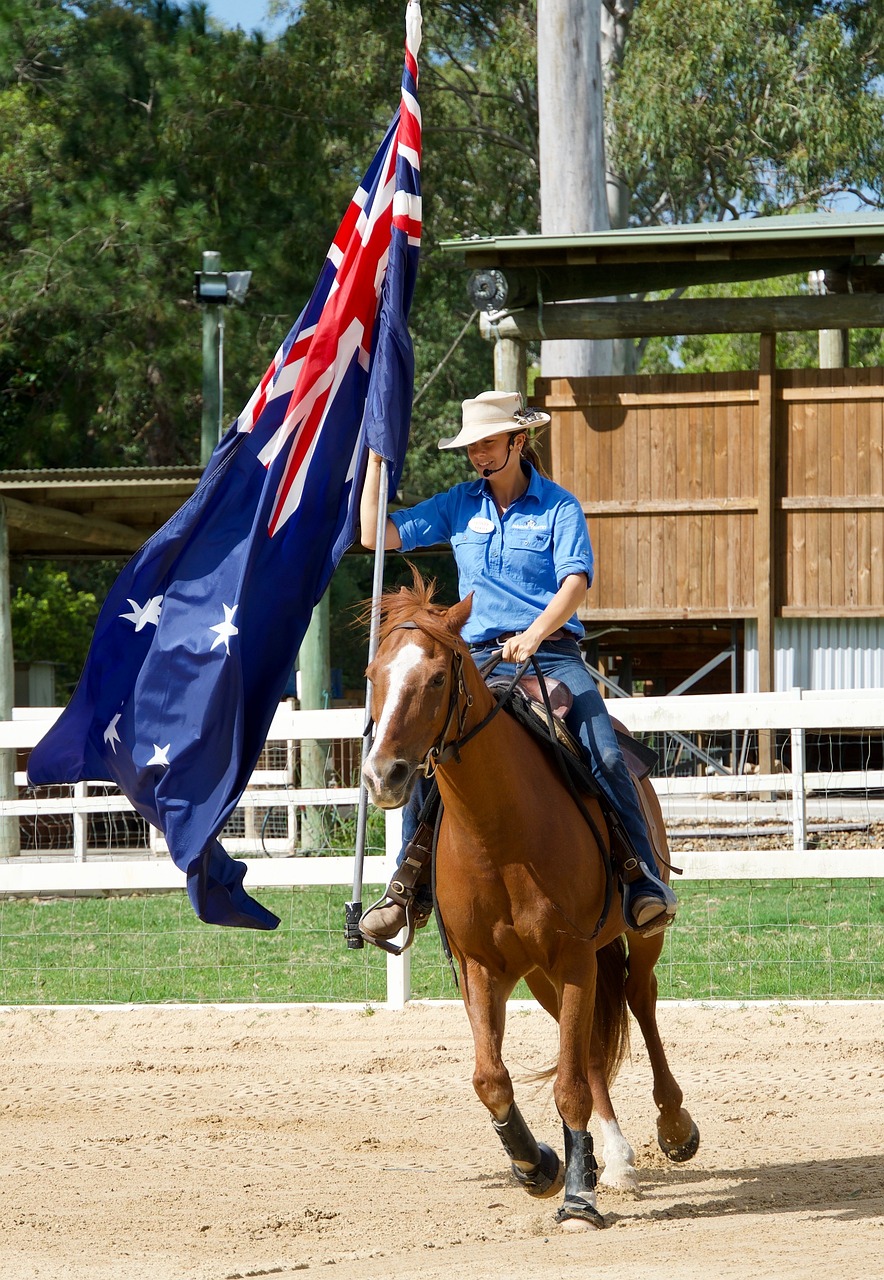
522,549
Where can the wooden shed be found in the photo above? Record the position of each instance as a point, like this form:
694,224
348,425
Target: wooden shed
733,515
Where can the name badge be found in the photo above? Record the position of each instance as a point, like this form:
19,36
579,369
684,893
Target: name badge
481,524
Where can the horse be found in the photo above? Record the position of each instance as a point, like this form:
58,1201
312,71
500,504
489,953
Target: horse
520,885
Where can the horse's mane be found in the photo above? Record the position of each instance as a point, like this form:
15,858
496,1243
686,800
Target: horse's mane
416,604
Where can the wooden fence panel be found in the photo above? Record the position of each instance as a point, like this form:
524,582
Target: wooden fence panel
666,469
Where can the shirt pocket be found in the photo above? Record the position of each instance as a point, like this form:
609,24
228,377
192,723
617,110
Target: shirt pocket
470,555
529,557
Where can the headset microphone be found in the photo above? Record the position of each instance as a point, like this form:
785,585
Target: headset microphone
492,471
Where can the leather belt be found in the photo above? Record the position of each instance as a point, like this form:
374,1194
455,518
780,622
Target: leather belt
499,641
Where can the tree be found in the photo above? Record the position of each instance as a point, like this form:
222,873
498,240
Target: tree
754,108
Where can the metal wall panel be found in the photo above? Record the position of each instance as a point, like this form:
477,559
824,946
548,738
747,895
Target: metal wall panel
820,653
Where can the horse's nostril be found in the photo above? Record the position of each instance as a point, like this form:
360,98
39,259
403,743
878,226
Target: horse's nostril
398,774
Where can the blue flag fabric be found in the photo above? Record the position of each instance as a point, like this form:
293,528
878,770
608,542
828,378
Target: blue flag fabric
197,638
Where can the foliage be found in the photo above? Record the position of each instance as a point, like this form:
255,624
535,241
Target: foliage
750,108
135,133
52,621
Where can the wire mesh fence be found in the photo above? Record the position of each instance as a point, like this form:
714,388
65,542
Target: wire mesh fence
782,896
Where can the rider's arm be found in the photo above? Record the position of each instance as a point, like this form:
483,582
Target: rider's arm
368,508
563,604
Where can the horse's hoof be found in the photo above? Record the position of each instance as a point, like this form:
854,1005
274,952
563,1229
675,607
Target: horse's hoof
679,1152
579,1215
547,1179
623,1178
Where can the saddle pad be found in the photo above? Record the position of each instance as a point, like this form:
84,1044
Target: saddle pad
532,716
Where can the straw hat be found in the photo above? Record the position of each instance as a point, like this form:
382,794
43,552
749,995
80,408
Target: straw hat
491,413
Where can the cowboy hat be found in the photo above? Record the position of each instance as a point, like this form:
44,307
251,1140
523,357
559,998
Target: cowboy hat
491,413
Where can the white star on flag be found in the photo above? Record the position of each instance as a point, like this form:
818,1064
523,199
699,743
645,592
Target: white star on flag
225,629
160,754
142,614
111,736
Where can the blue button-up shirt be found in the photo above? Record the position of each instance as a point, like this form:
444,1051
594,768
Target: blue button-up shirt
514,563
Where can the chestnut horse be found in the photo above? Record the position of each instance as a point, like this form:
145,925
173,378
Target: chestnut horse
520,885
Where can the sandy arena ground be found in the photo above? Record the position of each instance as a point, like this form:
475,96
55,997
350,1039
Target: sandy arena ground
215,1143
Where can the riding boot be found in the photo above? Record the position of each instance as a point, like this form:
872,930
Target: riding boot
649,905
407,901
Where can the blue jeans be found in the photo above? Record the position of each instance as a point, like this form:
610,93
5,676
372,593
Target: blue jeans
590,723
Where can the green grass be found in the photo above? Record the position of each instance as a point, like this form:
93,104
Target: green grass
732,940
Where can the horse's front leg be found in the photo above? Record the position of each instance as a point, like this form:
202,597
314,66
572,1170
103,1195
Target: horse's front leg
573,1092
535,1165
619,1157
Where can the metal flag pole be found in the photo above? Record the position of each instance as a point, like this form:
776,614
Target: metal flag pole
353,909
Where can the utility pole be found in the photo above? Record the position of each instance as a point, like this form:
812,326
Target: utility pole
573,195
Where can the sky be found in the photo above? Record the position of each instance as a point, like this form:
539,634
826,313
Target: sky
248,14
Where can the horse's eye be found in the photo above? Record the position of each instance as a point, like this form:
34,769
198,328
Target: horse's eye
438,680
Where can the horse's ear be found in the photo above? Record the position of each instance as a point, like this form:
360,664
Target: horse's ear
458,614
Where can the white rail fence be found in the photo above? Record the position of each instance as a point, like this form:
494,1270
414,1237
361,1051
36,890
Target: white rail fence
785,803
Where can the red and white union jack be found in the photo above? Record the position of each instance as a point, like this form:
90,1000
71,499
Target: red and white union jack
338,323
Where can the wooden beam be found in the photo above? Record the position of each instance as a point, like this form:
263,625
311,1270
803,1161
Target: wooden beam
564,320
83,531
765,542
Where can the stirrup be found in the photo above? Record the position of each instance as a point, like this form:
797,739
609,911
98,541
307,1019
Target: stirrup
416,917
664,895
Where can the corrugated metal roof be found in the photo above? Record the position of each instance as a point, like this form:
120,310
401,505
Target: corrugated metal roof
798,228
67,476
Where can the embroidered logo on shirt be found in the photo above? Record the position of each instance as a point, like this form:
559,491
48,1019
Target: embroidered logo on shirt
481,524
528,523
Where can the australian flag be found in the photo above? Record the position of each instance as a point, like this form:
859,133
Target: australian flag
197,638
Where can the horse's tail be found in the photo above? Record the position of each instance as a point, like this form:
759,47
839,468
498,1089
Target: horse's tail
611,1017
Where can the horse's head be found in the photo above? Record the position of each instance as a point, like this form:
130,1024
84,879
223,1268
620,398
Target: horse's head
416,696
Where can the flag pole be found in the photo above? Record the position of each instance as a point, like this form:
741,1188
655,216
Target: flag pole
353,909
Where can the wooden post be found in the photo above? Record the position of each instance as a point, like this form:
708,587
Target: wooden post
315,669
765,526
834,347
9,833
510,366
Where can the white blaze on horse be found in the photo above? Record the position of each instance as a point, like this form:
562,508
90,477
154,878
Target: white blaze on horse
521,888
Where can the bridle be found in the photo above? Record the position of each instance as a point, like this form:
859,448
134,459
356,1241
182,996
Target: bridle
459,703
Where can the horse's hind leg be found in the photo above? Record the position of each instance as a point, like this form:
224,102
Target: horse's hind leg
535,1165
618,1156
677,1134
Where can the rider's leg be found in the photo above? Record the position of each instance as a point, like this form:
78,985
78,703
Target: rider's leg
411,880
647,900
